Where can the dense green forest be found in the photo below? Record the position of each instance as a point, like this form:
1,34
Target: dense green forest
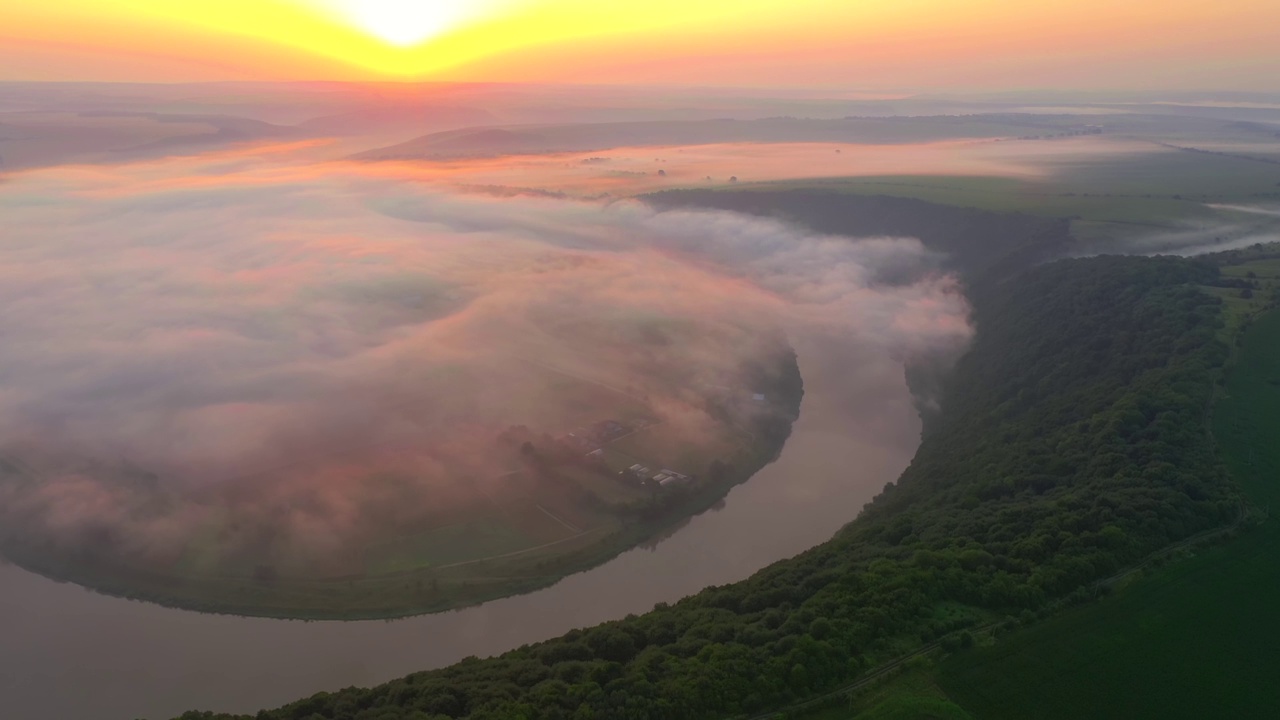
1072,441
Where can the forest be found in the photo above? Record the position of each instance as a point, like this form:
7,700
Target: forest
1071,441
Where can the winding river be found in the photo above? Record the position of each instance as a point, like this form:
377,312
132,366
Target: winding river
67,653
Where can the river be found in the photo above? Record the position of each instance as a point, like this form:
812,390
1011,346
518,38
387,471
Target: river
70,654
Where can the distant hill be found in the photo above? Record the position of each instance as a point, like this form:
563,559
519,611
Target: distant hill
528,139
425,118
30,140
533,139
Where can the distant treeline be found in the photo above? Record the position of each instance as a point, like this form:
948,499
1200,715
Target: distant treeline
982,246
1071,441
1219,153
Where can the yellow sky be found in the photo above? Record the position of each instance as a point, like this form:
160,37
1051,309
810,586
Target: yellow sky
855,43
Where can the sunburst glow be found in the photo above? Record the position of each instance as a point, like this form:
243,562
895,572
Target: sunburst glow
813,42
404,22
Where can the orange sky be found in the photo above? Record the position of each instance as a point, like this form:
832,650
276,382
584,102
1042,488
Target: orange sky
849,43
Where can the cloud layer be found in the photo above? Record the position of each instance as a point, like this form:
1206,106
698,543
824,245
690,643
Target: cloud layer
291,348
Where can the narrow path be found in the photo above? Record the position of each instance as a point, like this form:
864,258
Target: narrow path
518,552
1170,549
637,430
875,675
582,378
555,517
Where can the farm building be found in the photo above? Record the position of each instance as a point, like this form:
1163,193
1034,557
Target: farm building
667,476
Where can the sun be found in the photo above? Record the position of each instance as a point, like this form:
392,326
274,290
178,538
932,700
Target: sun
403,23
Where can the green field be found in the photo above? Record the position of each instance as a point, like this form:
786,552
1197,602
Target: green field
1196,638
1108,197
1050,197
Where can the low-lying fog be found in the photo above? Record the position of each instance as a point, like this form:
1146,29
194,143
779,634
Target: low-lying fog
305,351
1230,227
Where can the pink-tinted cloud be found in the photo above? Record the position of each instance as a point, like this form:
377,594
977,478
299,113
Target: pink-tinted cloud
306,346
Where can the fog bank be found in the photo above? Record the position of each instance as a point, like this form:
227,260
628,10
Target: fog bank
310,354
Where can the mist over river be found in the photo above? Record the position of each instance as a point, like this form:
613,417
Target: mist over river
68,653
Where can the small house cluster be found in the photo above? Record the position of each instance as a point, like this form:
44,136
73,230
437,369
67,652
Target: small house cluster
663,477
666,477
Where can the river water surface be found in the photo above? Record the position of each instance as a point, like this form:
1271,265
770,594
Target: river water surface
70,654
